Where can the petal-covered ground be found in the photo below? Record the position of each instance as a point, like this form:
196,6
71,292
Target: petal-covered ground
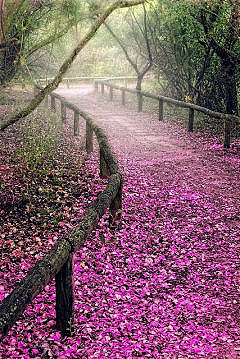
166,284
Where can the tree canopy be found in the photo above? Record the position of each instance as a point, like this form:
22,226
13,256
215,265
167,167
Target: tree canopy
192,47
100,19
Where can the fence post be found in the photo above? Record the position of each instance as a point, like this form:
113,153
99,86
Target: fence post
104,171
53,103
111,93
102,88
227,132
140,101
68,84
89,137
64,297
190,119
63,111
36,90
96,86
123,98
76,123
160,116
116,209
46,101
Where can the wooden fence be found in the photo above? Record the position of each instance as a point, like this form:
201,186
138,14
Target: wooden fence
58,261
227,119
70,80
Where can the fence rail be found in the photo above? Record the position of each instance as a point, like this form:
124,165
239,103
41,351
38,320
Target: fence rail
69,80
227,119
58,261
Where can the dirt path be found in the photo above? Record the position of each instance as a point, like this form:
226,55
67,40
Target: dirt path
141,137
174,266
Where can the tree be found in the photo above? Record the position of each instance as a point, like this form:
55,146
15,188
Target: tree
67,63
221,24
29,25
137,49
197,43
181,61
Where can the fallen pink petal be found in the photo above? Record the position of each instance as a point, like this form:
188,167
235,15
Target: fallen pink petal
119,179
165,283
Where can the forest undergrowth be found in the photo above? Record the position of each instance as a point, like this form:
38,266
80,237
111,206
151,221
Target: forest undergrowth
165,285
42,173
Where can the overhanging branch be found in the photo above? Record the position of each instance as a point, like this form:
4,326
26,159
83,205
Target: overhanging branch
68,62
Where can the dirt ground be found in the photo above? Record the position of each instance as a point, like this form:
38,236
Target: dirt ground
193,184
166,284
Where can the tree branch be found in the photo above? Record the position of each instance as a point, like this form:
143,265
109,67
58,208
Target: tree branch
47,41
2,8
144,32
221,51
67,63
57,35
146,37
123,48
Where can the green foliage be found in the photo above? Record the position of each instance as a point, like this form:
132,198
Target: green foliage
28,26
185,59
177,45
39,142
101,57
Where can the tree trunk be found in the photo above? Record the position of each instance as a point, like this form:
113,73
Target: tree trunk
139,82
229,69
9,62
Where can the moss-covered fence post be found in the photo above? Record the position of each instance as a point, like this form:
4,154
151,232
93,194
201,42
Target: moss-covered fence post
102,88
160,113
123,97
190,119
227,132
64,297
36,90
110,92
63,111
89,137
116,209
46,101
76,123
104,170
53,103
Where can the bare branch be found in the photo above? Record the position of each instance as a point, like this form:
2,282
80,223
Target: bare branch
122,47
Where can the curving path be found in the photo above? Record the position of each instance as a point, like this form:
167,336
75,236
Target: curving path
166,285
141,137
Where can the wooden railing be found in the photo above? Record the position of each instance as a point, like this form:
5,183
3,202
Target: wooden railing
70,80
58,261
227,119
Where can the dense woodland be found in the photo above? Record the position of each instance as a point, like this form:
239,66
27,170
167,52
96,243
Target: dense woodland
163,281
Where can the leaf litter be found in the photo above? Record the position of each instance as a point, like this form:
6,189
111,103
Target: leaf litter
166,285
